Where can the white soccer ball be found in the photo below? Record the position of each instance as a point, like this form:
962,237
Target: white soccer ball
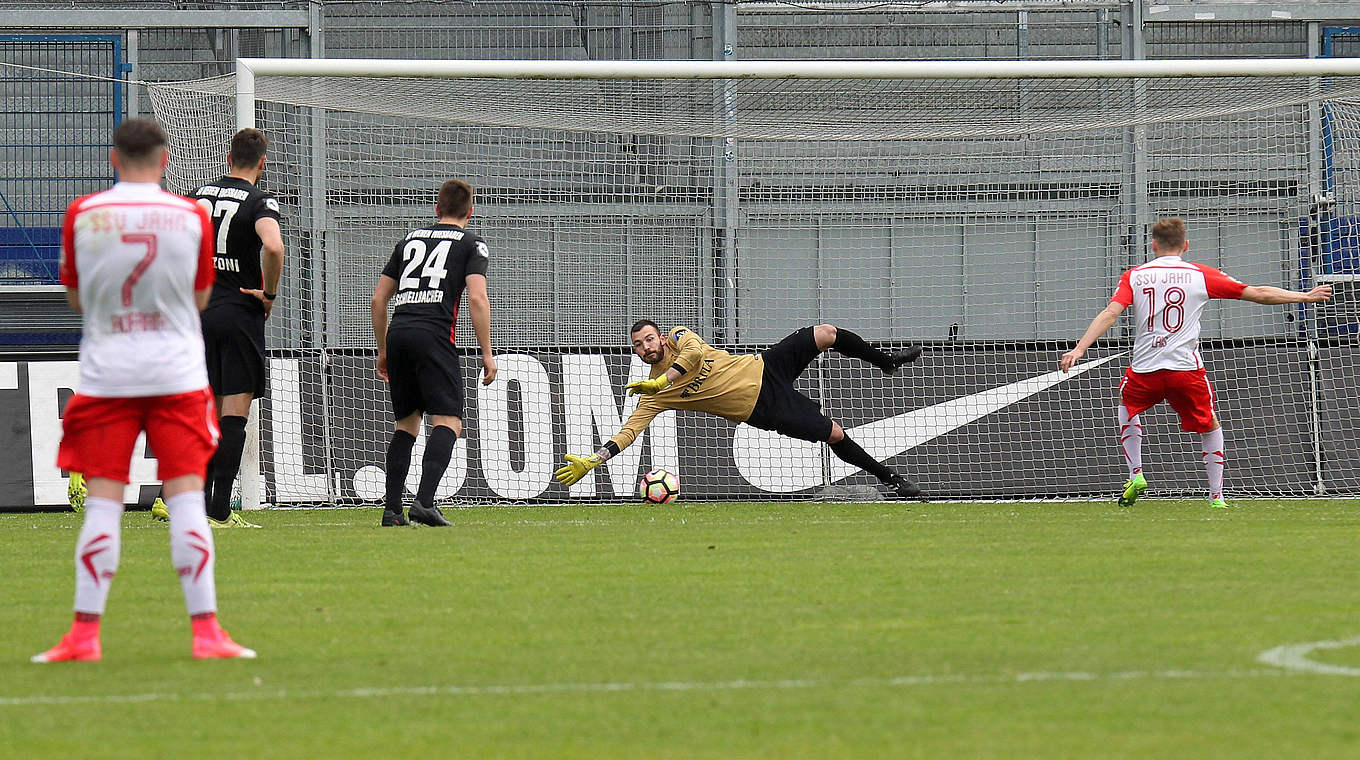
659,486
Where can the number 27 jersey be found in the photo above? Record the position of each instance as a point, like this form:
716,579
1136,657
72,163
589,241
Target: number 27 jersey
1168,295
430,266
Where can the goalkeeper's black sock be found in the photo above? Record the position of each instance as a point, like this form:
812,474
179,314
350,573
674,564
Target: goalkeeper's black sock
851,452
398,464
852,345
438,450
225,464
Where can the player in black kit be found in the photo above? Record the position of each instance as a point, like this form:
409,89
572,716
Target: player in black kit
248,264
424,281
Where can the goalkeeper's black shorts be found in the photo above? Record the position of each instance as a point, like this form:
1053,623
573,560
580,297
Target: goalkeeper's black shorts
780,406
423,374
233,344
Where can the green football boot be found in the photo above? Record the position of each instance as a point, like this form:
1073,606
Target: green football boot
235,521
1132,490
159,511
1219,503
76,492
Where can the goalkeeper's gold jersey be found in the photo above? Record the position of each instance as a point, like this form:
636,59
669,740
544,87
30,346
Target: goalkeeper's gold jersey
713,381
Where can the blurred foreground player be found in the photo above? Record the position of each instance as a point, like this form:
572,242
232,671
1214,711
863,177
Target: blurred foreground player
137,262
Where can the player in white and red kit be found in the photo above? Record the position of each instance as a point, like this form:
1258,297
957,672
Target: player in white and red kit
1168,295
138,263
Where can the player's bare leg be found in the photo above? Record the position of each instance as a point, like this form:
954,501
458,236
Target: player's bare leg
398,465
194,558
233,411
845,448
444,432
852,345
98,548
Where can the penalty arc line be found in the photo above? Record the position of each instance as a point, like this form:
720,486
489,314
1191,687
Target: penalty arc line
623,687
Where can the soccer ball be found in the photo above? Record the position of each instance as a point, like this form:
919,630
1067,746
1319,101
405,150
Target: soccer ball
659,486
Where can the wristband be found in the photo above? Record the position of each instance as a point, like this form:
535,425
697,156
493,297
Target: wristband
269,296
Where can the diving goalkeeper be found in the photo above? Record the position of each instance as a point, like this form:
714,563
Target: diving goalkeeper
687,373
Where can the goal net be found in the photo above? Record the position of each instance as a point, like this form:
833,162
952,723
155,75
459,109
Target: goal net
985,213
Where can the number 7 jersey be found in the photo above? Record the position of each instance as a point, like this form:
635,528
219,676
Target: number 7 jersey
136,254
430,266
1168,295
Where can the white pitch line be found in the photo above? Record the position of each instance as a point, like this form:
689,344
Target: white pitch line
659,686
1295,657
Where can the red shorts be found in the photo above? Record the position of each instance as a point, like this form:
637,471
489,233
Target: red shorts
98,434
1187,390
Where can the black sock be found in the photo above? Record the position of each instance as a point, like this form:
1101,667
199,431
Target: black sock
438,450
851,452
852,345
225,464
398,464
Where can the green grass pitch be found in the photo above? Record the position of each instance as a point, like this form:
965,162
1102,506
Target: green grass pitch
1066,630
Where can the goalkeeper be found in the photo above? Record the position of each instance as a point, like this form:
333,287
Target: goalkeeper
687,373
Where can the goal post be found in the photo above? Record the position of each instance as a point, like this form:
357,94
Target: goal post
982,209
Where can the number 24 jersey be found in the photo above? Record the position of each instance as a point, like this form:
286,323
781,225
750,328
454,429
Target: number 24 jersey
430,266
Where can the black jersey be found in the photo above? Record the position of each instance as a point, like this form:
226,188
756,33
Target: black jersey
234,205
430,266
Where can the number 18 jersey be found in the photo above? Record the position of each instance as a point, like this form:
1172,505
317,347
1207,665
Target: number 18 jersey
430,265
1168,295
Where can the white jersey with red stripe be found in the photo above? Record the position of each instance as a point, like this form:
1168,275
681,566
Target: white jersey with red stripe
1168,295
136,254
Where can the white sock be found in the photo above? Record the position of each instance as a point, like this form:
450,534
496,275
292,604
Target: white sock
1131,439
1214,461
192,552
97,552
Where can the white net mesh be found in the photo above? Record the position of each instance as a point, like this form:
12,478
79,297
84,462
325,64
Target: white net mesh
987,219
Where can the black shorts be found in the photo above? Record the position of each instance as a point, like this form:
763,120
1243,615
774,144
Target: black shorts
233,343
780,406
423,374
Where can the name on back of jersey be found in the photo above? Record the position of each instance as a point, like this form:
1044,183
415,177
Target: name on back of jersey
417,296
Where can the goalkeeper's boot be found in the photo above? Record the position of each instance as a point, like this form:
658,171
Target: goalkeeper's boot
903,488
75,646
235,521
908,356
427,515
76,492
213,643
159,511
1132,490
393,518
1219,503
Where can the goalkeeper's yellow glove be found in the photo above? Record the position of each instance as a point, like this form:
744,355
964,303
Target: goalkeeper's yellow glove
648,387
577,467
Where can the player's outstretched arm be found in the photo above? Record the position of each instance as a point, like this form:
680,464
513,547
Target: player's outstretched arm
1099,326
1268,295
378,309
577,466
480,306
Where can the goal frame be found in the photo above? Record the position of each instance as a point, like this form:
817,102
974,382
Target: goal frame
247,69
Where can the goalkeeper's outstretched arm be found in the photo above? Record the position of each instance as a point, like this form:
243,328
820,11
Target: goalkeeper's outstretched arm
577,466
1102,323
